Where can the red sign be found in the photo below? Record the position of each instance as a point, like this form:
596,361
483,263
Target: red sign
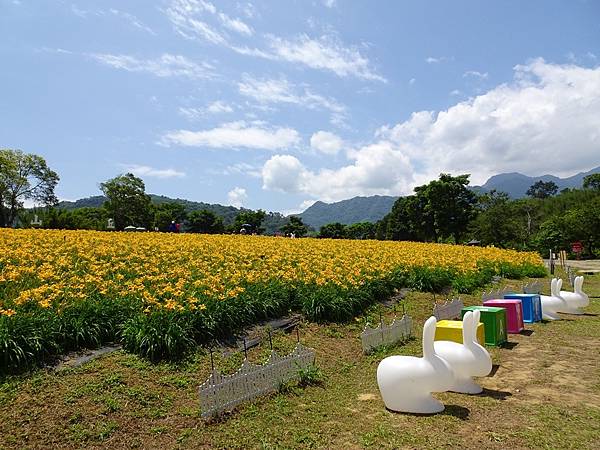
577,247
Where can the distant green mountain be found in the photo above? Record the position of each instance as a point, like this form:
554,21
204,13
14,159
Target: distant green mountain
357,209
273,220
516,184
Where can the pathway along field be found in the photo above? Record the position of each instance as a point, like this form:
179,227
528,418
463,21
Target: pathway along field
545,394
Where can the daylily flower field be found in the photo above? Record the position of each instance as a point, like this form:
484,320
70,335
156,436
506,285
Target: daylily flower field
161,294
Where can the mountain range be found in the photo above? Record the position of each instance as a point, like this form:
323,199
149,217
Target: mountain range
516,184
357,209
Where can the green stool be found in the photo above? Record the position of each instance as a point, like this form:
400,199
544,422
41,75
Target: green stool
494,321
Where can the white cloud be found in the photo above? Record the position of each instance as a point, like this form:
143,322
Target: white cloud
377,169
329,3
128,17
147,171
299,209
219,107
234,135
237,197
455,92
248,9
235,25
187,18
326,53
195,114
133,20
58,50
326,142
282,91
476,74
80,12
241,169
439,59
546,120
412,81
166,66
283,173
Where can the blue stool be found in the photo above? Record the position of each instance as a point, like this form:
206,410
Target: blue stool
532,306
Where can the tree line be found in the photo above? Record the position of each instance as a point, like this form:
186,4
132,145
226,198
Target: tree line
26,177
443,210
447,210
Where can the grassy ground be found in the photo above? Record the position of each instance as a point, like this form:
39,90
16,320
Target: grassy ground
545,394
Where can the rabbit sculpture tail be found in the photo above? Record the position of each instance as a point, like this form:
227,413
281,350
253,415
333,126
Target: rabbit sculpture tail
552,303
576,300
406,382
468,359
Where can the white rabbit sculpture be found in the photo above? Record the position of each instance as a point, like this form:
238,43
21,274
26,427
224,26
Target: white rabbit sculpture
468,359
575,300
553,303
406,382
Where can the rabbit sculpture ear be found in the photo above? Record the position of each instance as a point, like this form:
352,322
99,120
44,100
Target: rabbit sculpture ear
579,284
476,317
558,286
553,287
429,337
467,327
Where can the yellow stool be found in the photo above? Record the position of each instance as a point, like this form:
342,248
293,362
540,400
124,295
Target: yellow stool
451,330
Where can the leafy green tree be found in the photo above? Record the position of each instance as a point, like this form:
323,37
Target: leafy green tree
251,221
165,213
592,182
334,230
127,202
361,230
204,221
497,222
23,177
448,206
295,226
406,221
542,189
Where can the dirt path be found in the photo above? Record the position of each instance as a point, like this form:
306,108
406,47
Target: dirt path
539,369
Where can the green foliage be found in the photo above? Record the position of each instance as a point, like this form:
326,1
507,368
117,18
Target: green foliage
592,182
499,221
35,334
250,221
311,375
61,219
205,221
447,206
165,213
333,231
361,230
542,189
26,339
439,210
159,335
128,204
23,177
294,226
540,224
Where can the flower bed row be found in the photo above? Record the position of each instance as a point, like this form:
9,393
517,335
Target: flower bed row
161,295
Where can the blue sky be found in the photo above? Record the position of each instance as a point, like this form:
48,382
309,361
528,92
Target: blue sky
277,104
